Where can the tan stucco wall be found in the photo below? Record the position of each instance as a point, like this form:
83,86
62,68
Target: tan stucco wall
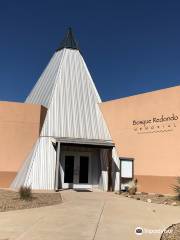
20,125
156,150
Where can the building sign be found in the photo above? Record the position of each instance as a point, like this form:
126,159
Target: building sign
156,124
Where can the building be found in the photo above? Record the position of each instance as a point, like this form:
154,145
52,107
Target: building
74,148
20,126
63,136
146,127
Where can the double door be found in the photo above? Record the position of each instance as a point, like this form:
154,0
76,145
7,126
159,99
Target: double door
76,170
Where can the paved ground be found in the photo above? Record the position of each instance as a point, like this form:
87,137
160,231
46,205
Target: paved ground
88,216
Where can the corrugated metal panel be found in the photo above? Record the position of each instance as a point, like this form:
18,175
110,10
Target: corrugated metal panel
41,174
103,183
22,174
43,89
116,167
67,90
39,169
74,111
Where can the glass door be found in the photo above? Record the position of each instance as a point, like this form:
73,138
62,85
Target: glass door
84,169
69,169
76,170
83,163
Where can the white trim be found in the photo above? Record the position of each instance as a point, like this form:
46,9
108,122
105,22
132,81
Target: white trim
86,141
76,184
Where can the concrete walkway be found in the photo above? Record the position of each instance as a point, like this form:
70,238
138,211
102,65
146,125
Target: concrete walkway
88,216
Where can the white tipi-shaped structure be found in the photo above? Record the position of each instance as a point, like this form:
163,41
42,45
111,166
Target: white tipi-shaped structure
74,145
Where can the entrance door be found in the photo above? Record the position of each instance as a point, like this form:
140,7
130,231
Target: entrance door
69,169
76,170
84,169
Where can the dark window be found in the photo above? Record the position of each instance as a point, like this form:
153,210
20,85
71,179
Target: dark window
84,167
69,169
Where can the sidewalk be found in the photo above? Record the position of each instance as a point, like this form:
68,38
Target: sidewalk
88,215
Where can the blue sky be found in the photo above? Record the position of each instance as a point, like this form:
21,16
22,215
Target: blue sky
129,46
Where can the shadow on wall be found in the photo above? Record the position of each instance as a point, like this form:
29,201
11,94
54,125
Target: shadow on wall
115,169
42,118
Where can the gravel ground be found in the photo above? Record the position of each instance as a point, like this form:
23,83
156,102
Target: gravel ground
9,200
155,198
172,233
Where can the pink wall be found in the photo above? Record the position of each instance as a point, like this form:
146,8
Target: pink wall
20,126
155,145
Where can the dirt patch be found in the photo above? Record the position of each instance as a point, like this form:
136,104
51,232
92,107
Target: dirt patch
154,198
172,233
9,200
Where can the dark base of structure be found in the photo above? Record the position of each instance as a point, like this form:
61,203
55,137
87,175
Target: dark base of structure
6,179
156,184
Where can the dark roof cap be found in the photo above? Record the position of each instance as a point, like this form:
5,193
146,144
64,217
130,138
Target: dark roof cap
69,41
